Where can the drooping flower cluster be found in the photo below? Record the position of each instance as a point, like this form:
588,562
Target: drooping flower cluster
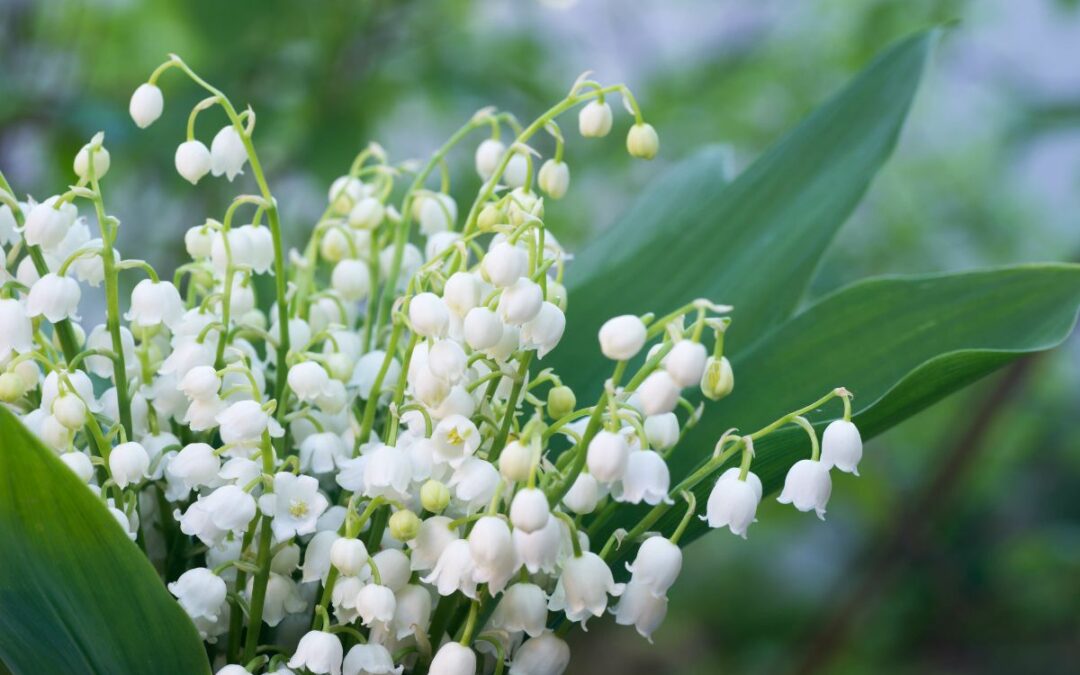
369,469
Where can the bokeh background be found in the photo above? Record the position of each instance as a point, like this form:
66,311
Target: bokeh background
958,551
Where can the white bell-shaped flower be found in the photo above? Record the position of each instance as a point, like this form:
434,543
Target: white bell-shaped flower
387,473
128,463
545,654
733,503
438,213
492,550
320,453
662,431
308,380
375,603
192,160
154,303
80,465
583,588
430,542
607,456
622,337
344,192
370,659
367,214
456,437
317,556
447,360
583,495
46,225
196,465
474,482
393,565
529,511
807,487
642,141
544,331
841,446
482,328
200,592
554,178
69,410
227,153
594,120
539,551
657,565
245,421
453,571
282,598
523,608
319,652
517,170
16,329
54,297
453,658
647,479
226,509
200,383
520,302
349,556
640,608
428,315
295,505
146,104
504,264
413,611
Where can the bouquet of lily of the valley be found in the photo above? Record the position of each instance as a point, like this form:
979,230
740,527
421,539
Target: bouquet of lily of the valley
374,468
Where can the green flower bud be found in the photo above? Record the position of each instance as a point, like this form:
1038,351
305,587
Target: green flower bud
718,379
434,496
11,387
561,402
489,217
404,524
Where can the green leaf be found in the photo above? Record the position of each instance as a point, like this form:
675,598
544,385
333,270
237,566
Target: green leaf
755,243
899,344
76,595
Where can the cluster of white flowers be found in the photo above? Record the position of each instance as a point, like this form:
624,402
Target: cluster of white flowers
362,474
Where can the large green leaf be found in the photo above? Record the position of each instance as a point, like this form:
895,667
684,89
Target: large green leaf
76,596
754,243
899,344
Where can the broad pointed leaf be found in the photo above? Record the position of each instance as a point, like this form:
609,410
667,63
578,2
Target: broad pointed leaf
76,596
754,243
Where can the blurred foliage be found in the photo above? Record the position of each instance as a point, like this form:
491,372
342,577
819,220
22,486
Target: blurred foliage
986,173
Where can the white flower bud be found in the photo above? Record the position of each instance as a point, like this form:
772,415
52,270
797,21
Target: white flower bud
658,393
200,592
718,380
334,245
319,653
488,155
200,383
54,297
807,487
447,360
199,242
82,163
154,303
227,153
554,178
733,503
517,170
367,214
622,337
351,279
482,328
69,410
128,463
192,160
662,430
344,193
520,302
607,456
428,315
244,422
594,120
54,434
529,511
686,362
583,495
12,387
79,464
504,264
146,105
438,213
642,141
461,293
453,658
841,446
308,380
515,462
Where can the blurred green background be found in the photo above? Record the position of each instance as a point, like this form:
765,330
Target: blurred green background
958,551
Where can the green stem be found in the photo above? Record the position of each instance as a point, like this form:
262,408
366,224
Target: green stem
511,407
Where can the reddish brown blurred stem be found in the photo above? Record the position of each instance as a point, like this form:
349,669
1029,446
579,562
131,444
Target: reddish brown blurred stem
908,533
